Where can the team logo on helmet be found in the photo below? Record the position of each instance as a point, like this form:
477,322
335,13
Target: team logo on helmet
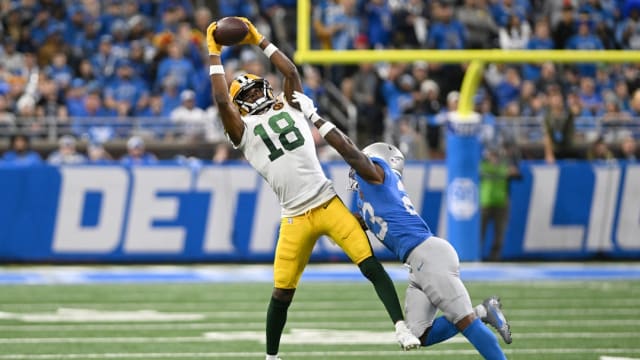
244,99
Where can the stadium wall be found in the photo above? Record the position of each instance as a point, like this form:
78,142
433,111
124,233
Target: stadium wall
225,213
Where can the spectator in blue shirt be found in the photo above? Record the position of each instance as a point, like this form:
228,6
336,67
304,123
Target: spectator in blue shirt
136,153
344,22
379,23
170,15
103,61
183,7
243,8
191,44
503,9
597,12
20,152
126,89
87,41
446,33
396,90
176,66
75,26
591,100
170,95
120,33
112,11
90,118
42,26
59,71
153,119
74,99
541,40
140,65
585,40
508,89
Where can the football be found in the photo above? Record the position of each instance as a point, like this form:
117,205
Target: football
230,30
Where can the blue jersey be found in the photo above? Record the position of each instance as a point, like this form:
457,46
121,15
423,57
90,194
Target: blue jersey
389,213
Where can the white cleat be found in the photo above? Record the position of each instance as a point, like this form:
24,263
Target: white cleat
407,340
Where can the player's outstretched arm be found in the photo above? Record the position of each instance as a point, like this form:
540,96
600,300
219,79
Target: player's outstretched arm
231,120
288,69
284,65
360,162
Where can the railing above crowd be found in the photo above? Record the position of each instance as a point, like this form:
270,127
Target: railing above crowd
523,132
530,130
106,129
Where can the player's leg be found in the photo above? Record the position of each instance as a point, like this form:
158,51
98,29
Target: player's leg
481,337
420,313
440,278
296,240
501,218
339,224
485,217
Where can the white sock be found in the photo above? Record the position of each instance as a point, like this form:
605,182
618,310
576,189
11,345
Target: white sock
272,357
401,325
480,311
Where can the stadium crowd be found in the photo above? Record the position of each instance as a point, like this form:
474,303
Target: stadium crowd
102,70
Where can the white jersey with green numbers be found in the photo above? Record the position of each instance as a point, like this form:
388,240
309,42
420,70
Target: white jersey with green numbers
278,143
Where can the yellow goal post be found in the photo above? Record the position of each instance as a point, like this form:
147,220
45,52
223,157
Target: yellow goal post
476,58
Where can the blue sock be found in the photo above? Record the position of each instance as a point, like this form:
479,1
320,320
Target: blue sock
441,330
483,340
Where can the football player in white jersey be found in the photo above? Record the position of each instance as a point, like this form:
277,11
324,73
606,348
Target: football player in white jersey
434,280
276,139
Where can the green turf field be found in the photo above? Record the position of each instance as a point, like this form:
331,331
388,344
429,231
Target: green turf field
550,320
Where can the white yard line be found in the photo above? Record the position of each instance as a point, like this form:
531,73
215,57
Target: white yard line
100,340
303,312
365,338
513,303
315,354
578,323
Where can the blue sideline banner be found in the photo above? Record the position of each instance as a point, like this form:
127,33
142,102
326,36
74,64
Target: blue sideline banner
175,213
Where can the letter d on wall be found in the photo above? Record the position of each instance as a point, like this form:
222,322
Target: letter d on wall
102,237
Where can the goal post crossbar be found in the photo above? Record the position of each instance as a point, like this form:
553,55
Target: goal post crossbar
476,58
463,56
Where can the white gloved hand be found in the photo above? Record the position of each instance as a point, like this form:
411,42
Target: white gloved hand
306,104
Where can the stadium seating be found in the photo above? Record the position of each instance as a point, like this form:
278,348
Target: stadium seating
103,71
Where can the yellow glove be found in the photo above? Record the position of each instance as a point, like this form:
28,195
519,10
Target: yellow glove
213,47
253,36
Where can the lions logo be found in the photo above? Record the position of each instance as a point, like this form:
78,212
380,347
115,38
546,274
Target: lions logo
462,198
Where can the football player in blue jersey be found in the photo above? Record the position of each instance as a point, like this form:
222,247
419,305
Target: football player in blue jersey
434,280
